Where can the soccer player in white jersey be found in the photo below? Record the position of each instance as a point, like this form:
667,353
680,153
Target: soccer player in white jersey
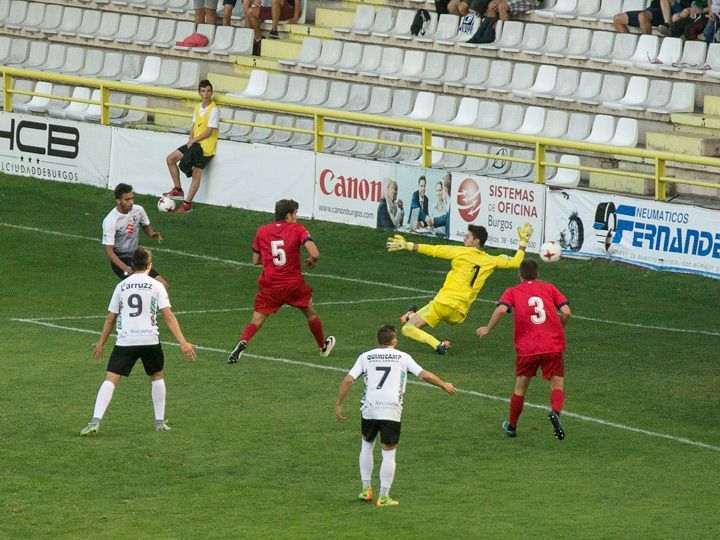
384,370
121,231
134,306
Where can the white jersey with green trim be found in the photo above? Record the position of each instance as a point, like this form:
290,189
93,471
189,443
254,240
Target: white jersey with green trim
384,371
122,231
136,301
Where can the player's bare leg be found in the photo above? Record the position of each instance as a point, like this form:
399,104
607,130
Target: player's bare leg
172,164
412,329
251,328
325,344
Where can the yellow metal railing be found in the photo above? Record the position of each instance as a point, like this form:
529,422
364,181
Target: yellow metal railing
320,116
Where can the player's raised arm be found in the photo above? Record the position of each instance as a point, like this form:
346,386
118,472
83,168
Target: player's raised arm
313,254
494,319
344,387
147,229
430,377
187,348
564,314
107,328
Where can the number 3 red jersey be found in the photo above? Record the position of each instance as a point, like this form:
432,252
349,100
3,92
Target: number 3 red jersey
278,245
538,329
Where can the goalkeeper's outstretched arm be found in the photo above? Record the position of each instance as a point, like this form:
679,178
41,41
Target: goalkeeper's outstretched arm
398,243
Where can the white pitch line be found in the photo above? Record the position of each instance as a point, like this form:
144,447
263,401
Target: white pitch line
224,261
492,397
225,310
356,280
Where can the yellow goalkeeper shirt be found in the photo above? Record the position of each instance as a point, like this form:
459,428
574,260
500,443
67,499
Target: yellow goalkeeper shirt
469,269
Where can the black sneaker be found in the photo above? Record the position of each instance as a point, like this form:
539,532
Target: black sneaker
442,348
557,426
273,34
509,431
237,352
664,29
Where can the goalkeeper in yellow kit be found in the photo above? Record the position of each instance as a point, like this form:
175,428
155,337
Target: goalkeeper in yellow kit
470,268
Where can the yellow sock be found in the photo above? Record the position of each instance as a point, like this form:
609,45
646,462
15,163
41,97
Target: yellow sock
412,332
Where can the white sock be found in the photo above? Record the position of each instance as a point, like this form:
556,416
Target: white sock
387,472
157,390
102,401
366,462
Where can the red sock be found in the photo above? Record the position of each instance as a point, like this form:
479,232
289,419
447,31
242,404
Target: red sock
249,332
556,400
317,331
516,407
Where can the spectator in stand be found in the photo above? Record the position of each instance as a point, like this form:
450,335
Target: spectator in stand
205,11
228,6
466,7
502,9
711,28
390,210
689,21
279,10
659,13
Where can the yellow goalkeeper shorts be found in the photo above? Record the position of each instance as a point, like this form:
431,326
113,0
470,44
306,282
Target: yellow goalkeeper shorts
434,312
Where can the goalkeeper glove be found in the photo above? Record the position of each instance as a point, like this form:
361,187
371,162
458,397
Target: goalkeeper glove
398,243
524,234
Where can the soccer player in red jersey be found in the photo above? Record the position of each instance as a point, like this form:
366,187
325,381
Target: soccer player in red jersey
277,248
539,341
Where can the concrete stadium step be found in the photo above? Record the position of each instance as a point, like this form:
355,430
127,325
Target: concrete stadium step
687,143
711,105
329,18
227,84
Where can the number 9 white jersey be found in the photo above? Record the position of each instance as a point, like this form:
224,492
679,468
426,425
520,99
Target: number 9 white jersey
385,372
136,300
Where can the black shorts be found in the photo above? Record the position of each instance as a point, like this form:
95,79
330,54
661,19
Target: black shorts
389,430
657,17
119,272
122,359
193,156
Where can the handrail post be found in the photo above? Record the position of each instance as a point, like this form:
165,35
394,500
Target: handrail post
7,96
319,139
104,110
539,165
426,141
660,185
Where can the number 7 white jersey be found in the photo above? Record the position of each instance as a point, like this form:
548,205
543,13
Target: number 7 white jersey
384,371
136,300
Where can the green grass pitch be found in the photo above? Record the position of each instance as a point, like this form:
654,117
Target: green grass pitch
255,450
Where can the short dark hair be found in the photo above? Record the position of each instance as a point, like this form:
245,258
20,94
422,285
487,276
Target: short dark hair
122,189
479,232
204,84
142,258
386,334
529,269
284,207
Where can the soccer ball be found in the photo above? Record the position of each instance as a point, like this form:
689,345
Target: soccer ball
550,251
166,204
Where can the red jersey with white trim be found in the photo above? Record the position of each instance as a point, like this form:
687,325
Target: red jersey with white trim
278,245
538,329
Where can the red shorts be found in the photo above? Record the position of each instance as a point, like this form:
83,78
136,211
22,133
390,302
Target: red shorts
269,299
551,364
286,12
